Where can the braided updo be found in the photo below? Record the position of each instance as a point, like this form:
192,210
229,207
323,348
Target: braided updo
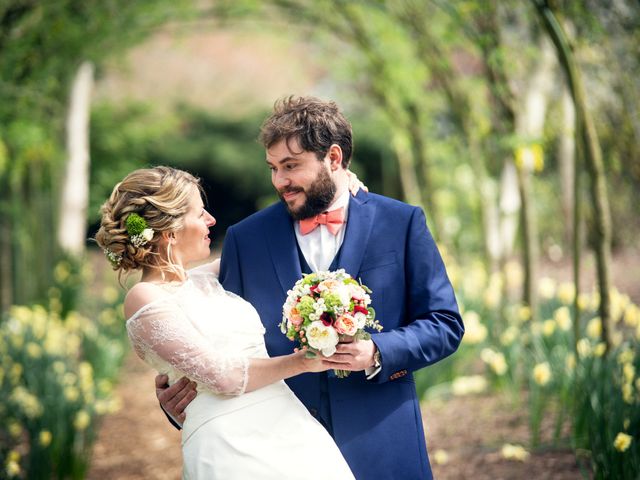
160,195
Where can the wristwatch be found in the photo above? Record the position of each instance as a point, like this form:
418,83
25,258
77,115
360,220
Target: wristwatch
377,359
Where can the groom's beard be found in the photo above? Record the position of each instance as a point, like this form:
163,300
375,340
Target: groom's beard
318,196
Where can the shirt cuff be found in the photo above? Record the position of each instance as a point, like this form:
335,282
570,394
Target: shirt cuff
171,417
371,372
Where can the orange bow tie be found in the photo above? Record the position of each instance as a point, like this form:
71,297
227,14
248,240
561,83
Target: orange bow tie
333,221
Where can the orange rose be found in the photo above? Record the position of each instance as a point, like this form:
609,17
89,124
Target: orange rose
345,325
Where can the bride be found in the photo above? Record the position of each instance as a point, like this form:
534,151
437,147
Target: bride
244,422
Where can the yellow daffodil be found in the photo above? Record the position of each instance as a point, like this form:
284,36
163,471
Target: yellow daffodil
566,293
108,317
12,469
82,420
626,356
563,318
513,274
584,348
509,336
61,272
584,301
570,362
514,452
632,315
45,438
15,429
547,288
71,394
475,331
16,372
622,441
495,360
619,303
599,349
492,297
628,372
440,457
462,386
542,373
110,294
58,367
34,350
27,402
524,313
627,393
548,327
594,328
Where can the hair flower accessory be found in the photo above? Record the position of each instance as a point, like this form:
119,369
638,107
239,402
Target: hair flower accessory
138,229
114,258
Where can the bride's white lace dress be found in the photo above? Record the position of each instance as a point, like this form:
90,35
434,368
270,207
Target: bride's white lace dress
202,331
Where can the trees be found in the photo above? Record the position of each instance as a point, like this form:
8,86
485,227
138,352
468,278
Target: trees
41,46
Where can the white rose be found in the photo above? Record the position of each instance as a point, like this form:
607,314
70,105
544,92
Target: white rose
361,320
322,338
357,292
147,234
344,292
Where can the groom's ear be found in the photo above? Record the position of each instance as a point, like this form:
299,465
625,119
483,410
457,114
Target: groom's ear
335,157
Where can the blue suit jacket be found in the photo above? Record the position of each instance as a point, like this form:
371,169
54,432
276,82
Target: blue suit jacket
376,423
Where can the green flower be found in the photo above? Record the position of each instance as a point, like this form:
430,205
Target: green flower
331,300
135,224
305,306
138,229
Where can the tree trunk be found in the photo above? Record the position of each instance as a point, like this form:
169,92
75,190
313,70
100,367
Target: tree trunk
566,161
402,147
75,189
593,158
530,125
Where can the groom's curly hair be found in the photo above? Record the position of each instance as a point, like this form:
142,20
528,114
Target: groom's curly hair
160,195
315,123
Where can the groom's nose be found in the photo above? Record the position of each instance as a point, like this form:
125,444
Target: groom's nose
281,180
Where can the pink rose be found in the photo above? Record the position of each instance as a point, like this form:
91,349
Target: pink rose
345,325
296,319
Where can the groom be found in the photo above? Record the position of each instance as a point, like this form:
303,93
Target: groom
374,414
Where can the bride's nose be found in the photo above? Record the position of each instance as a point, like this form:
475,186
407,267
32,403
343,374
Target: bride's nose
211,221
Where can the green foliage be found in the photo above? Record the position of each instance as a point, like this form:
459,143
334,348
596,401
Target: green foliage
56,376
592,397
41,46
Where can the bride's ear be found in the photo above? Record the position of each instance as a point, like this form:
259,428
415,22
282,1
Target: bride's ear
169,238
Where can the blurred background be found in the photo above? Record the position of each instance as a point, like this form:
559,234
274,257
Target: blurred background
513,124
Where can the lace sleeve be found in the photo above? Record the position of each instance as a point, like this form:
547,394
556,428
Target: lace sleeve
165,330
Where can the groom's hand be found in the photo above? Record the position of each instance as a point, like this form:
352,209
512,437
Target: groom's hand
352,355
175,398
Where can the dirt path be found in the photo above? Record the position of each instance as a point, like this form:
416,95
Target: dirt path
138,443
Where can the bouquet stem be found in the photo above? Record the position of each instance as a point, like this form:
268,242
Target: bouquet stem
342,373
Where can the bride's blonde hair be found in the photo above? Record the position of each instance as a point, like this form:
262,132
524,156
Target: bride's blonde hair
160,195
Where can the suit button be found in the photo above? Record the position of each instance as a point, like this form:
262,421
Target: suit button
313,411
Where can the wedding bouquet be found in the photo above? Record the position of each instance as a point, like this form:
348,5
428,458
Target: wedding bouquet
324,307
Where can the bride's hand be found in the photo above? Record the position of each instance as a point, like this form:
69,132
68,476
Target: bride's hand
312,365
355,184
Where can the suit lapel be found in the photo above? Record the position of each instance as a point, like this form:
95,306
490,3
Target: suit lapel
282,246
359,225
